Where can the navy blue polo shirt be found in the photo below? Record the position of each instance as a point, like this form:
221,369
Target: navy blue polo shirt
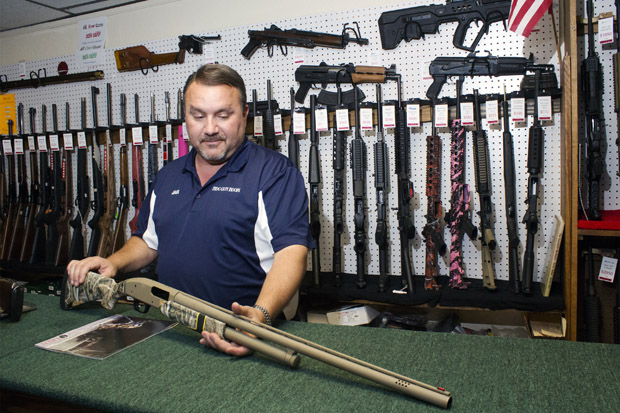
217,241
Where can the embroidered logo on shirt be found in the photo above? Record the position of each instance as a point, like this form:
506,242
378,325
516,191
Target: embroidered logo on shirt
225,189
175,192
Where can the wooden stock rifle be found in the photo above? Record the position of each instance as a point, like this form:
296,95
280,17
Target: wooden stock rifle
34,200
10,210
200,315
106,222
17,238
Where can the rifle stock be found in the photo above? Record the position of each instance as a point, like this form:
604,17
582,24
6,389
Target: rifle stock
140,58
192,312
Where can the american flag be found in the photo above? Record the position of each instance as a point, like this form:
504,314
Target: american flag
524,14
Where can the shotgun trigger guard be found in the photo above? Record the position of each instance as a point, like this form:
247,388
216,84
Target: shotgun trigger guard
141,307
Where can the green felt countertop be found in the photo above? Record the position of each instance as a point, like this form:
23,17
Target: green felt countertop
172,372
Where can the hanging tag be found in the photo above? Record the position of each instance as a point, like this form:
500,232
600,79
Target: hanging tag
299,123
168,137
185,134
608,269
545,108
389,116
42,143
320,115
81,140
208,51
413,115
122,136
467,113
153,138
492,108
277,124
517,109
606,30
441,116
31,146
6,146
19,146
366,119
136,135
67,140
54,146
342,119
258,125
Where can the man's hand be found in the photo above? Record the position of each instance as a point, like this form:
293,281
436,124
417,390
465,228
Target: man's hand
77,270
227,347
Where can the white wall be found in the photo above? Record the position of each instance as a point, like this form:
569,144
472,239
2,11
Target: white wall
159,19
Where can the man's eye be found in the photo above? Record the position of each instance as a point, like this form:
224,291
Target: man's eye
223,116
198,115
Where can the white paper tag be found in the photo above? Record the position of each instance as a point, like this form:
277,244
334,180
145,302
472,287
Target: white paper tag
606,30
342,119
277,124
492,108
168,137
208,51
608,269
81,140
320,116
7,147
517,109
19,146
67,140
299,123
42,143
136,135
185,134
258,125
122,136
153,138
441,116
366,119
389,116
545,108
413,115
54,145
467,113
31,145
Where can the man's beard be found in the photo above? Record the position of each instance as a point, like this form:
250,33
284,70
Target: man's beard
209,157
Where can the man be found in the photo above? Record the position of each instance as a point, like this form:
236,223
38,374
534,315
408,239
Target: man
228,223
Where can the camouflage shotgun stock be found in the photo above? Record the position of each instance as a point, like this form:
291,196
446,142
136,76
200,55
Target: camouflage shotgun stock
196,313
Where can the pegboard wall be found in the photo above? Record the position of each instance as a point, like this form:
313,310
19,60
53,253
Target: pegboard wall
412,60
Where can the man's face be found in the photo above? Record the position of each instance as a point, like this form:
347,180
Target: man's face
215,121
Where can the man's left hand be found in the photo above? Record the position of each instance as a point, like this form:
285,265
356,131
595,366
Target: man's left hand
214,341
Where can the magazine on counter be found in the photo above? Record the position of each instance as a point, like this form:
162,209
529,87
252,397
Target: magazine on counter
103,338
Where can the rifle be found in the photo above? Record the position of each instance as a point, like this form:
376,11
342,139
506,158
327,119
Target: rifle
358,168
339,156
10,209
323,74
34,199
63,225
592,304
616,61
152,163
482,164
592,87
200,315
274,36
52,213
443,67
293,142
38,254
269,133
137,174
314,179
381,187
167,146
97,204
458,216
536,147
106,222
510,188
406,228
416,22
118,239
82,199
17,237
432,231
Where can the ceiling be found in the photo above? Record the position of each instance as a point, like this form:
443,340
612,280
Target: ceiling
15,14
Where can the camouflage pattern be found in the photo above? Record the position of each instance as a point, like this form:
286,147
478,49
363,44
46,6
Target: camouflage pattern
190,318
95,287
459,210
432,230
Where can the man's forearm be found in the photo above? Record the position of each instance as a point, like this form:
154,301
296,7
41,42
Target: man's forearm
284,278
134,255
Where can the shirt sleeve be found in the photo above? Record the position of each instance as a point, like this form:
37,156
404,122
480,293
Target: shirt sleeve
286,204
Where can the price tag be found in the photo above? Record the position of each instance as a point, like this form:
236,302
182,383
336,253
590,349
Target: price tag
153,138
31,146
441,116
517,109
342,119
389,116
366,119
54,146
19,146
258,125
67,140
545,108
606,30
168,138
208,51
299,123
42,143
122,136
81,140
320,115
413,115
184,132
608,269
136,135
467,113
277,124
492,107
7,147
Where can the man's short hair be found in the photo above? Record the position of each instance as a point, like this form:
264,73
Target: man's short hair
215,75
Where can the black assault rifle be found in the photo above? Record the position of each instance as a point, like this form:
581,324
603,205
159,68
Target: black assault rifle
339,156
314,179
381,186
358,168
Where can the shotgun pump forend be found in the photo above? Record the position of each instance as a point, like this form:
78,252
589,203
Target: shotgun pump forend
200,315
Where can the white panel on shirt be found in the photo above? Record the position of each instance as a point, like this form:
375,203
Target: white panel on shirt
263,237
150,235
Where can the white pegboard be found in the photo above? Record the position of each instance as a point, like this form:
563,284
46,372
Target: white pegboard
411,60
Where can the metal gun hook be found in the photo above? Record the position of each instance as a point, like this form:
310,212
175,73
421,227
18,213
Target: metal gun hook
356,32
145,69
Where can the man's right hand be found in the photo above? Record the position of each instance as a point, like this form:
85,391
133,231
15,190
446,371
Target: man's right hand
77,270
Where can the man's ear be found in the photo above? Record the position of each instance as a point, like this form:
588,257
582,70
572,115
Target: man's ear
246,110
